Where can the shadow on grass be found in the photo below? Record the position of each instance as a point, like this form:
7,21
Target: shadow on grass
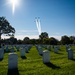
73,59
6,51
13,72
52,65
1,59
59,53
41,54
23,57
27,52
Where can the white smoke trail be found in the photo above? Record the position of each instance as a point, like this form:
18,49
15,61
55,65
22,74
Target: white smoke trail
38,25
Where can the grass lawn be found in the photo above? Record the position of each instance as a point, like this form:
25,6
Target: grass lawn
33,65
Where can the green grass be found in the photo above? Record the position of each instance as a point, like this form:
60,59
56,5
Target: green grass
33,65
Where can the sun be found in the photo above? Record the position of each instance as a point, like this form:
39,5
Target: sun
13,4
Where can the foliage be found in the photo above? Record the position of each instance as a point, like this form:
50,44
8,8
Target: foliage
65,39
43,35
53,41
5,28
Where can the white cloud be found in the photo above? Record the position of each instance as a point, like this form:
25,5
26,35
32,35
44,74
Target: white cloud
30,36
4,37
26,32
22,36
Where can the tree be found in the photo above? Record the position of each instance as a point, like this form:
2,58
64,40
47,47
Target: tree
43,35
72,39
53,41
12,40
26,40
45,41
5,28
65,39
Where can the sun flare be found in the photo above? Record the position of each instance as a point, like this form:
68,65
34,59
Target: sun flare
13,4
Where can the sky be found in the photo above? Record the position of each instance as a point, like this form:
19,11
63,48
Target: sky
57,17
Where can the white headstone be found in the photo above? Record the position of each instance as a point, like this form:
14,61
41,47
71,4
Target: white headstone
3,48
46,56
55,50
22,52
70,54
1,53
49,47
40,50
12,61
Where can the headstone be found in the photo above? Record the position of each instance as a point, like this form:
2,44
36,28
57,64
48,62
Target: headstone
12,49
26,49
49,47
12,61
55,50
1,53
3,48
70,54
22,52
46,56
58,47
40,50
6,48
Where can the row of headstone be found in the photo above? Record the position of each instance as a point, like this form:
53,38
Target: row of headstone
24,50
13,57
45,54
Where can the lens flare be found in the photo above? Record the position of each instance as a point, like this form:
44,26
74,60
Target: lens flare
13,3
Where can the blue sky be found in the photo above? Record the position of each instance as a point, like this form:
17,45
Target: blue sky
57,17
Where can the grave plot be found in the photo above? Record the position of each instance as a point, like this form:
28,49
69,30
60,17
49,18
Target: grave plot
33,65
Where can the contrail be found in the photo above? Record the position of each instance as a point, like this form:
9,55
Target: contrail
38,25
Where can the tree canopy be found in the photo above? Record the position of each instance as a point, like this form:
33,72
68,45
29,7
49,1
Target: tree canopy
43,35
5,28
